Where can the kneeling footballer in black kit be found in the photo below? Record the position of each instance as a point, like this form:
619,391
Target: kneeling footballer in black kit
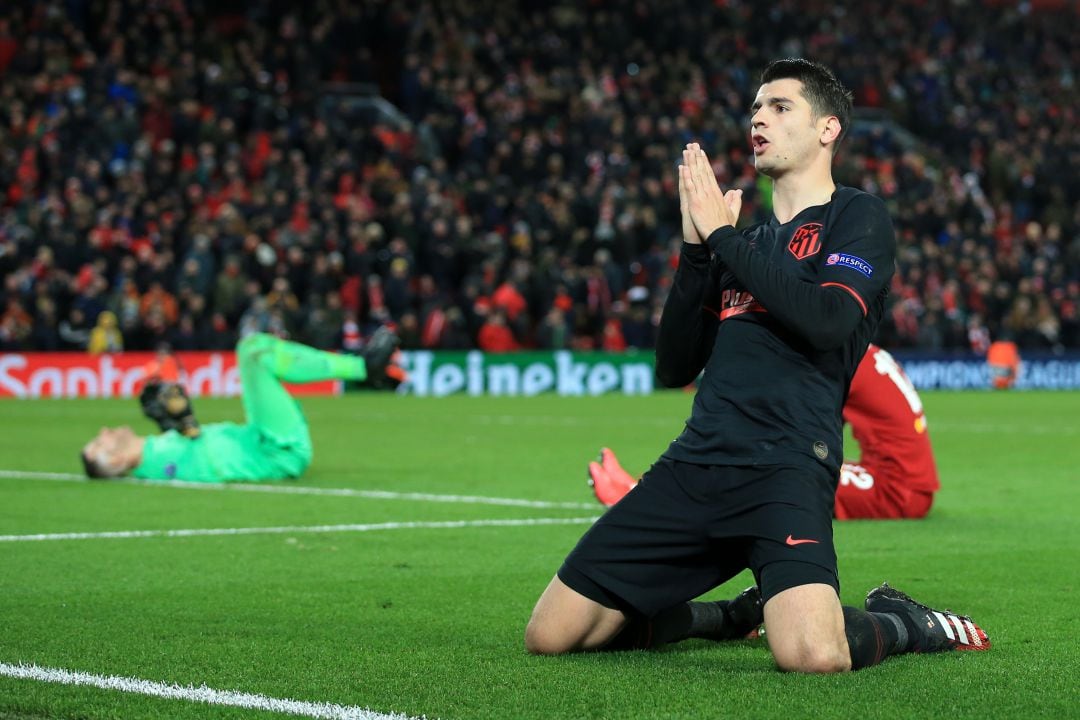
778,316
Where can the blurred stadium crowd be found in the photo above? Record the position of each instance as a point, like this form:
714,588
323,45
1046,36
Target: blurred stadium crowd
191,170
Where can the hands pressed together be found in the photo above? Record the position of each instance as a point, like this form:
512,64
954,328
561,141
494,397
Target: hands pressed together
704,206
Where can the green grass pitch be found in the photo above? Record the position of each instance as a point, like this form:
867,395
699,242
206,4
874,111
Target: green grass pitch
429,621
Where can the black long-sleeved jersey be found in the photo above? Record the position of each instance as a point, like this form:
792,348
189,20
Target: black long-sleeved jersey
778,315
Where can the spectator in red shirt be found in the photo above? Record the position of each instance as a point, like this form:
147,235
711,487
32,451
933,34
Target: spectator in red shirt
495,335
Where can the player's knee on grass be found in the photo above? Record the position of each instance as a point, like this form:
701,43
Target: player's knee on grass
812,659
565,621
542,637
557,635
805,629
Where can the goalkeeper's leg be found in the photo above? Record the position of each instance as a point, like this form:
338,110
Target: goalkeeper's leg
266,361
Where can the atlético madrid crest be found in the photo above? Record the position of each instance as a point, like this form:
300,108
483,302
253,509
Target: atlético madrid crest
806,241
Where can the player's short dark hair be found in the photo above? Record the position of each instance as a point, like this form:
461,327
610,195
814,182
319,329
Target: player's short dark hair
825,93
92,467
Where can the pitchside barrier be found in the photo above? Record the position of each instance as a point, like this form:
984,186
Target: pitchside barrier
1038,371
437,374
592,373
205,374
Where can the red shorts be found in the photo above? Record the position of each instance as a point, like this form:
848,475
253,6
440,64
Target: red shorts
864,493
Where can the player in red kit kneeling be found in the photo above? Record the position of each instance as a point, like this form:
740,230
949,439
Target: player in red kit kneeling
896,476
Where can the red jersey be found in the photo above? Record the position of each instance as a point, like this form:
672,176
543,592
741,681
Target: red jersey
886,416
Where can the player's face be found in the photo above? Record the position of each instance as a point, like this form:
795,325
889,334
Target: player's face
783,132
111,447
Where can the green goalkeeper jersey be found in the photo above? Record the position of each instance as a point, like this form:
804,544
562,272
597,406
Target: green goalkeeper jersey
223,452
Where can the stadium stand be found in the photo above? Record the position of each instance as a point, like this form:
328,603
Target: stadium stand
501,175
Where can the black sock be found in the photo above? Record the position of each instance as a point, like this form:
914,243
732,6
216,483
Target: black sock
667,626
708,620
906,632
872,636
713,621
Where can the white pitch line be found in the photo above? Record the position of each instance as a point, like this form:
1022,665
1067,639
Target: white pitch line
311,490
32,475
295,529
201,694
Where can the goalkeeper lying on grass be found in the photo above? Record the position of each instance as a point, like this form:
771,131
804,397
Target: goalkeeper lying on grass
273,444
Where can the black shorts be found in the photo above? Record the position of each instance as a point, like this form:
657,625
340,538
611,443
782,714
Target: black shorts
687,528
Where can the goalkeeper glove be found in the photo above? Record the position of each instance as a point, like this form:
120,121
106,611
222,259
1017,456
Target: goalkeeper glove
167,404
